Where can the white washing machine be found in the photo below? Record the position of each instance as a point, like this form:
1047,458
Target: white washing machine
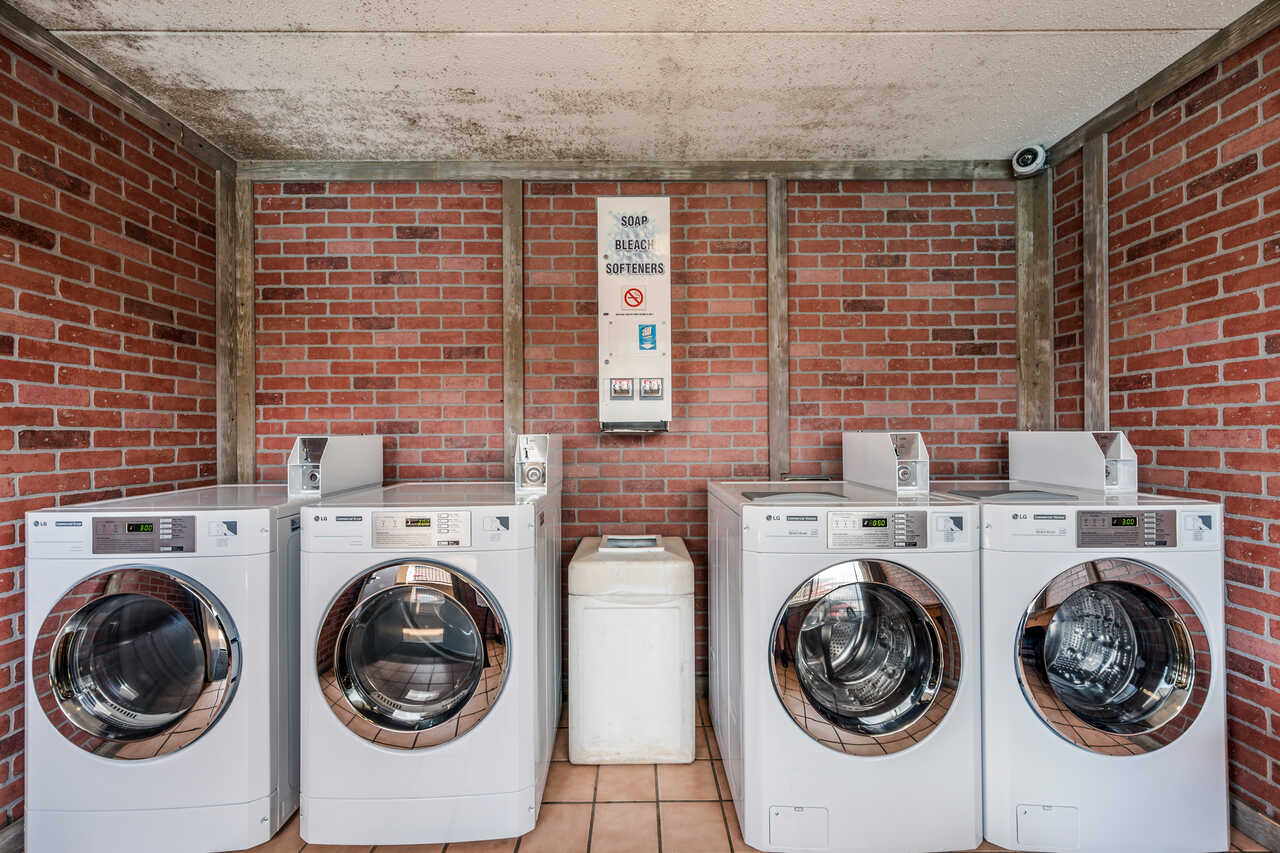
431,662
1103,670
161,687
844,666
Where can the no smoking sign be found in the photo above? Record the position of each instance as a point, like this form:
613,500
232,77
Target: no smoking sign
633,297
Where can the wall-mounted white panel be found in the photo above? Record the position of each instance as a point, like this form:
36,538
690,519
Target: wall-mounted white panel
633,260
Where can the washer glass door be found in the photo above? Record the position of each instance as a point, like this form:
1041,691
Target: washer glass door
136,662
1113,657
412,655
866,657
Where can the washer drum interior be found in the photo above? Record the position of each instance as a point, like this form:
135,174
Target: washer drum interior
865,657
136,662
412,655
1113,657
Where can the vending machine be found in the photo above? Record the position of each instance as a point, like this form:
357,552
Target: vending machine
633,237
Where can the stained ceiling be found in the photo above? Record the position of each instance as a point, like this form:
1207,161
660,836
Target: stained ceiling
627,80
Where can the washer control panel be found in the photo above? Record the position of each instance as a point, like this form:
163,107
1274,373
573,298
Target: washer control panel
158,534
900,529
433,529
793,524
1127,528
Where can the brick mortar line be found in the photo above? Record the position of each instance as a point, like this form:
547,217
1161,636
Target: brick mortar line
18,149
15,262
199,179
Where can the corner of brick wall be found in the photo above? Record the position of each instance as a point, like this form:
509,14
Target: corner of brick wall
902,302
106,326
1194,196
379,311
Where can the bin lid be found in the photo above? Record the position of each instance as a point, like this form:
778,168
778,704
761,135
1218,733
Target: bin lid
631,565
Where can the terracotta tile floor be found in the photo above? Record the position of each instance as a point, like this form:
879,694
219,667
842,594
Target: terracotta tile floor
619,808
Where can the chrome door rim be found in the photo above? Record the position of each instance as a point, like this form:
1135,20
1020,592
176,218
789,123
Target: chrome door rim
89,713
1183,680
370,717
929,699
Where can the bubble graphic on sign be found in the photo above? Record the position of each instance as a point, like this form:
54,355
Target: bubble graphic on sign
632,237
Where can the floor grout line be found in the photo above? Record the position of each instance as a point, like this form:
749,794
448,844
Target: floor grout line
724,817
591,818
657,805
591,825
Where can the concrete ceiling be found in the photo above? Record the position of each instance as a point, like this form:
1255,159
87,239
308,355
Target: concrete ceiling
626,80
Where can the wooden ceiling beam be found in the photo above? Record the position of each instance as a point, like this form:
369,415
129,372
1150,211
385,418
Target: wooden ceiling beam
34,38
1258,21
620,170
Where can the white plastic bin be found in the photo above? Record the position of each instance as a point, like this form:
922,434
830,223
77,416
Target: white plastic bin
631,689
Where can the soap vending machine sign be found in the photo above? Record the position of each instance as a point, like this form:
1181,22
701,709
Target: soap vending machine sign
633,238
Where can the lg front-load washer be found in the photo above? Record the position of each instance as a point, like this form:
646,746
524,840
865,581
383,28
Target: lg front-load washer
1103,670
844,637
162,671
431,662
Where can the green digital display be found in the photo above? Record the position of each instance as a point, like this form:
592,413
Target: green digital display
140,527
875,522
1124,521
417,522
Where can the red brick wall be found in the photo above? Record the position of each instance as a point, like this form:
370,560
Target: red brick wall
360,310
379,310
902,317
1195,351
106,326
719,362
1068,294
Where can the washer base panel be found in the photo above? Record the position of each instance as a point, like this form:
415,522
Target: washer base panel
1069,829
433,820
206,830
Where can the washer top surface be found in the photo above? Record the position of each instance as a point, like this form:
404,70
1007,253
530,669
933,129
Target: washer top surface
260,496
833,493
436,494
1027,493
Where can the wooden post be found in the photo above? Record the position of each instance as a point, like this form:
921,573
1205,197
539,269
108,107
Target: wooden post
34,38
236,385
1096,334
779,331
224,325
246,377
512,319
1035,303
